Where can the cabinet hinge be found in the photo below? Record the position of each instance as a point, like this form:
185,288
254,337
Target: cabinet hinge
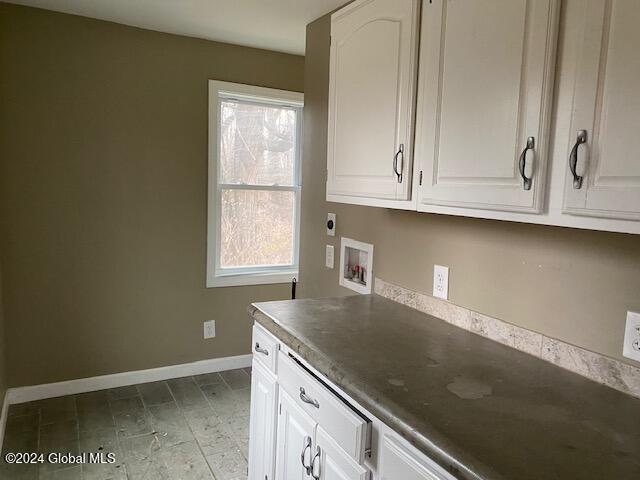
280,409
420,181
330,39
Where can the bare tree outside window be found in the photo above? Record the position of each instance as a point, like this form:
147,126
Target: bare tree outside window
257,144
253,218
257,149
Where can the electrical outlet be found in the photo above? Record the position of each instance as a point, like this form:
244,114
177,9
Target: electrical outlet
631,347
329,257
210,329
441,282
331,225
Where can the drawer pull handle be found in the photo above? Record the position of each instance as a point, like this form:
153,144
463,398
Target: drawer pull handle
531,142
313,464
573,159
306,445
259,349
307,399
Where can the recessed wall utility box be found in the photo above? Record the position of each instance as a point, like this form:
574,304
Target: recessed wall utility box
356,265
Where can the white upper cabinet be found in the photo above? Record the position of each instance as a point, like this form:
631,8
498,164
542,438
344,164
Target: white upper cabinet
603,160
506,127
484,102
371,101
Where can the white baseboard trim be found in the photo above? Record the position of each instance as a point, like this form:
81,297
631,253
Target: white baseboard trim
84,385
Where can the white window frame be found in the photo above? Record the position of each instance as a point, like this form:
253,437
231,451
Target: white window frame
227,277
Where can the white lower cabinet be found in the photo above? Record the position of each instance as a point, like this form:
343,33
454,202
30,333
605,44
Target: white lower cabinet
349,429
332,463
295,441
304,428
305,451
262,433
400,462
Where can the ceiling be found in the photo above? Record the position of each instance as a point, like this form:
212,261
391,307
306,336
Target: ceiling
269,24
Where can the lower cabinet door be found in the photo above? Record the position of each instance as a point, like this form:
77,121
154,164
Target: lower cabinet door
295,441
330,462
398,461
262,427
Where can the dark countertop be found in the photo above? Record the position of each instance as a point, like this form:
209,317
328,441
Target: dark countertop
480,409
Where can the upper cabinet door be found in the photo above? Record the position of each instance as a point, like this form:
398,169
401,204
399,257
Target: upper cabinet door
484,102
603,160
371,97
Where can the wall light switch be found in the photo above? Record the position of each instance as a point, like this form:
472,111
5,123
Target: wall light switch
210,329
331,225
441,282
329,257
631,347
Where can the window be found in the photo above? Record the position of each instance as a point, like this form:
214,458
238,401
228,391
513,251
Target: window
254,184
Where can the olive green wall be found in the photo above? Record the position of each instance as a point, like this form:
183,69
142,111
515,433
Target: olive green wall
103,171
570,284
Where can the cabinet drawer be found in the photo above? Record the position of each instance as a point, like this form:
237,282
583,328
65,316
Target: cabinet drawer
348,428
265,348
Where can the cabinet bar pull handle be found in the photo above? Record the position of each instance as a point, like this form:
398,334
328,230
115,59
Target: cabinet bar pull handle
313,464
573,159
400,153
259,349
531,143
306,445
307,399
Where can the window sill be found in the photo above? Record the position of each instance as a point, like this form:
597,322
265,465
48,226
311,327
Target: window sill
252,279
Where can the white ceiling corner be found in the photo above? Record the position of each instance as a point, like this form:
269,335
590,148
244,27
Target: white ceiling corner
270,24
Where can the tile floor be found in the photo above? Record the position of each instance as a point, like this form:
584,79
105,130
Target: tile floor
182,429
